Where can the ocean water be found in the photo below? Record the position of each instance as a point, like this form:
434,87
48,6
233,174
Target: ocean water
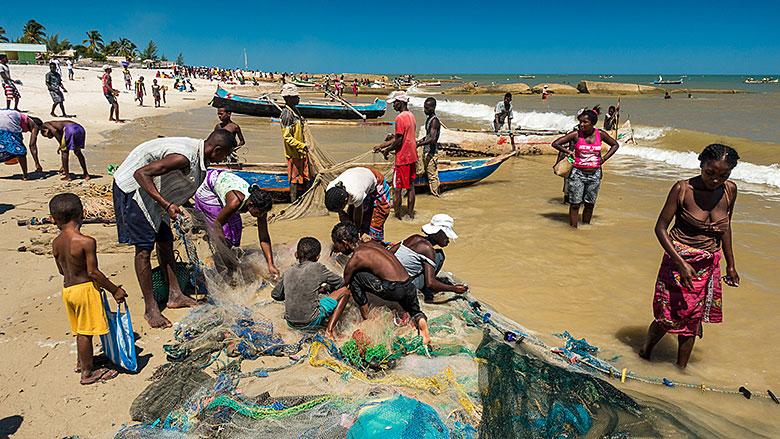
518,253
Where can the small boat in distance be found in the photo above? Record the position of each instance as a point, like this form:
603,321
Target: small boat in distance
429,84
761,81
606,76
526,76
267,106
661,80
455,77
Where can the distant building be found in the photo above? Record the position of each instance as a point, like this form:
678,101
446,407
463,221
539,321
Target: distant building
22,52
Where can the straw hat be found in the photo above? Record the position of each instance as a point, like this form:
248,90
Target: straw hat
289,90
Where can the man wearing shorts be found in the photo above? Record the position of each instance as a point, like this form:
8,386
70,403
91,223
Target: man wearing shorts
404,145
54,84
110,93
71,137
11,93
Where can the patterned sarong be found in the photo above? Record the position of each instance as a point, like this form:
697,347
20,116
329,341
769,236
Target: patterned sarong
679,310
378,206
11,92
11,145
298,170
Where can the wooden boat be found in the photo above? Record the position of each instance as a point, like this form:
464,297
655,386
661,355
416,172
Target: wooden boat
526,76
452,174
761,81
661,80
309,109
606,76
429,84
475,143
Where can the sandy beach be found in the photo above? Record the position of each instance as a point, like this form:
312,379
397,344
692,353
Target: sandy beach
41,394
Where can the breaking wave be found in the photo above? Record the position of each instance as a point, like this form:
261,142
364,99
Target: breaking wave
745,171
471,111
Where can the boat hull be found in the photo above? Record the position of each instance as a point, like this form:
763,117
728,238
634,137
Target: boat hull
473,143
264,108
272,177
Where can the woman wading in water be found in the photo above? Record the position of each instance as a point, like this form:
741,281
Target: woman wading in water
585,177
688,291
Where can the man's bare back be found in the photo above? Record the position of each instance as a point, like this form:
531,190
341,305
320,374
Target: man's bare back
373,257
57,127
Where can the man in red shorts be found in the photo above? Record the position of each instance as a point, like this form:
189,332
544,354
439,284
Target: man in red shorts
405,147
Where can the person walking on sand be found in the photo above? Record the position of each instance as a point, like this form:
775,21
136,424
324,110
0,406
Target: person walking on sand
503,111
405,147
70,136
110,93
295,148
150,184
54,84
11,92
69,63
688,290
140,91
12,125
128,79
585,177
430,152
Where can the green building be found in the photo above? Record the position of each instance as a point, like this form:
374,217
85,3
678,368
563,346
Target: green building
22,52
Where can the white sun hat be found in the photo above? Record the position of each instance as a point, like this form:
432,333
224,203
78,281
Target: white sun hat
441,221
398,95
290,90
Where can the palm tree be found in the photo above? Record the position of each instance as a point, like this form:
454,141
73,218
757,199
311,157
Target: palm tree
94,41
3,38
111,49
55,46
180,59
150,52
127,49
33,32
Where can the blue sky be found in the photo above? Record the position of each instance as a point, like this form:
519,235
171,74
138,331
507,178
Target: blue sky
437,37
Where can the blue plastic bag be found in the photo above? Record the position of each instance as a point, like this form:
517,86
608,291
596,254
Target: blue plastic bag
119,343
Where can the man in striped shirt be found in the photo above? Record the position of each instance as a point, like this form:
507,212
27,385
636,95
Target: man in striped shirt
150,184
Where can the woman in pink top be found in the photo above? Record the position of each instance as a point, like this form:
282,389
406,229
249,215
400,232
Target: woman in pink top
585,177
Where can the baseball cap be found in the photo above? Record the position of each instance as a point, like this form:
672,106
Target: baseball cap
290,90
106,67
440,221
398,95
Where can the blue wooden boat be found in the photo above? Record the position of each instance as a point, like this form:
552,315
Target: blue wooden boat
452,174
265,107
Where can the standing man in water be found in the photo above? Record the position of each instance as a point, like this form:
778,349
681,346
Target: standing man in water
503,112
430,159
295,148
405,147
150,184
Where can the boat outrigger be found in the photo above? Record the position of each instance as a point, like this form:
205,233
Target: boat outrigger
267,106
661,80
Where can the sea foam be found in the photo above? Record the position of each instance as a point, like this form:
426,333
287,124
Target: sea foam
745,171
481,112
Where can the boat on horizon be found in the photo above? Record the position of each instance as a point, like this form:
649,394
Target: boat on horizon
526,76
273,178
761,81
661,80
606,76
267,106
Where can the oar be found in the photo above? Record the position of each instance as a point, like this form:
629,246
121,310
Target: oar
347,104
268,98
39,221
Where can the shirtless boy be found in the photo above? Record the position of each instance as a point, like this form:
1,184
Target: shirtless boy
70,136
373,269
76,258
225,123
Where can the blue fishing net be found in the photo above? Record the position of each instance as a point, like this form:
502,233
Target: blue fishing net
399,418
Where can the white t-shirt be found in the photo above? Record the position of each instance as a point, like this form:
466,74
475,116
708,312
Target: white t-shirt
69,63
7,70
500,108
358,182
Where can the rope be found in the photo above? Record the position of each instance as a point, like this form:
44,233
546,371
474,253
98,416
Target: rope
602,366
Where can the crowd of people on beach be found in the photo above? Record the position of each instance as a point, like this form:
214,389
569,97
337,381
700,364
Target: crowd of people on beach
159,176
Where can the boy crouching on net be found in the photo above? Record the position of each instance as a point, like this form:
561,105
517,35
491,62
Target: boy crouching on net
301,285
76,258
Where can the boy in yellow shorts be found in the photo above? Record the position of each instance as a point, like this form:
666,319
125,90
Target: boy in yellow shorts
76,258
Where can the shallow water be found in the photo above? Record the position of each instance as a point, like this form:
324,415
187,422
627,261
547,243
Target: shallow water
518,253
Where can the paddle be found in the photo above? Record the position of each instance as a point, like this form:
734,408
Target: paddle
347,104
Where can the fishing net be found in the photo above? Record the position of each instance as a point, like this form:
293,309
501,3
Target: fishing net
96,199
325,169
236,370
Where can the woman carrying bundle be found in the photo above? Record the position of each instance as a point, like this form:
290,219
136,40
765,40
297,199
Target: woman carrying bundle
222,197
585,177
688,291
